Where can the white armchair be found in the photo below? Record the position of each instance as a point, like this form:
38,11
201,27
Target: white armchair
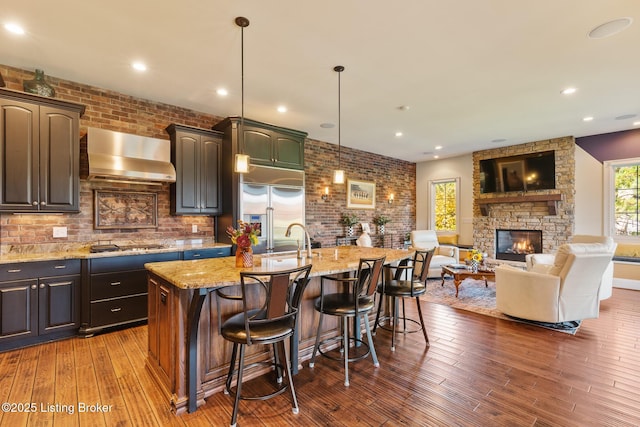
443,255
567,291
541,263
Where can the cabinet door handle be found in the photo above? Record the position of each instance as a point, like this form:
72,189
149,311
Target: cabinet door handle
41,285
34,287
17,270
115,283
34,203
163,297
59,267
196,255
115,310
43,203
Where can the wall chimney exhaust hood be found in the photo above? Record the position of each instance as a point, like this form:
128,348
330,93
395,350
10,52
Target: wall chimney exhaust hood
122,157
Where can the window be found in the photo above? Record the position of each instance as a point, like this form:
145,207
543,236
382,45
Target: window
623,195
444,204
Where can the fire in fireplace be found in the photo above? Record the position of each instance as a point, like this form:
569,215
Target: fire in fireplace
514,245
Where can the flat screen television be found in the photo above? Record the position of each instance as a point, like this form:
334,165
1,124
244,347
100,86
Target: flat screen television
526,172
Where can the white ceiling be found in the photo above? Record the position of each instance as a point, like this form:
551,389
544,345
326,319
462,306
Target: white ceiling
471,71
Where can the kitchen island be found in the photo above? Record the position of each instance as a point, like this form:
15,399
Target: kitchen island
187,356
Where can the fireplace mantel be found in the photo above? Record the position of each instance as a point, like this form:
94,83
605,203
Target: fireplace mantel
551,200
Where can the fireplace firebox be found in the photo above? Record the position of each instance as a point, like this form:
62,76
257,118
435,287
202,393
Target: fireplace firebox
514,245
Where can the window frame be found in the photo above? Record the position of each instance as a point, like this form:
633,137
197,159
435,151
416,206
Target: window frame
432,204
609,198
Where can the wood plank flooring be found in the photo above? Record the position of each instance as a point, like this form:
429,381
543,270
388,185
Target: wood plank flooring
478,371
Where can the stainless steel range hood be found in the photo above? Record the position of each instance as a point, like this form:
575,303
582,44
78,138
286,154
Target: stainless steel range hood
123,157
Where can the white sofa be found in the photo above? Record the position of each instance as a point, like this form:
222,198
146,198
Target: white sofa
541,263
568,290
443,255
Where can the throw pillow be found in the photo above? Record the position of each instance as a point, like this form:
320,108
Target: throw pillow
448,239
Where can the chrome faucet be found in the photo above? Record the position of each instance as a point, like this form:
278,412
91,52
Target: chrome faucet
306,233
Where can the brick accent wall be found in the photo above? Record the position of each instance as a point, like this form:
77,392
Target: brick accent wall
390,175
115,111
556,229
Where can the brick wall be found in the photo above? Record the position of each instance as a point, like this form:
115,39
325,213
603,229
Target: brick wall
390,175
115,111
556,229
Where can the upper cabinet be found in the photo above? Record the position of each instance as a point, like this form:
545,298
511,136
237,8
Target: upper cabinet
196,154
39,153
266,145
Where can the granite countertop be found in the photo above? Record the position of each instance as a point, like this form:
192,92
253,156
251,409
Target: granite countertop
220,272
30,253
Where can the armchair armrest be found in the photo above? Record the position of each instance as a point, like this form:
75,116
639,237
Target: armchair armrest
527,294
533,259
448,250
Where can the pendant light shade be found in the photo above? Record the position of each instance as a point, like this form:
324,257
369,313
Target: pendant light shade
241,163
338,174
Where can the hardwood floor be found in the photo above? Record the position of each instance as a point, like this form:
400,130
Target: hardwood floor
479,371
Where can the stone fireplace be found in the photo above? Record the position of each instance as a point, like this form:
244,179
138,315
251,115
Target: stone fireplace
550,212
514,245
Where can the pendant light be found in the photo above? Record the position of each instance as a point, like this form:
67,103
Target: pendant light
338,174
241,164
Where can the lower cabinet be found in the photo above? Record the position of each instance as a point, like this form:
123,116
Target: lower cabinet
115,290
39,301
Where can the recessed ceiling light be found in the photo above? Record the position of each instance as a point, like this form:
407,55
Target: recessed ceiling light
438,147
587,119
398,134
610,28
436,157
626,116
282,109
404,108
139,66
636,123
569,91
14,28
222,92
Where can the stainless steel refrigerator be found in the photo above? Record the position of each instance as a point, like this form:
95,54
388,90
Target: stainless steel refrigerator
274,199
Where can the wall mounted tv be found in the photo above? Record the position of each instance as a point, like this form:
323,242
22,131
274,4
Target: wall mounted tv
527,172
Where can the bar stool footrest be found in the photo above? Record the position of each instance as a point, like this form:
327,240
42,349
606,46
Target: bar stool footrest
358,349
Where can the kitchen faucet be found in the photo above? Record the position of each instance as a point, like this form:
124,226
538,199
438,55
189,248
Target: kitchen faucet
306,233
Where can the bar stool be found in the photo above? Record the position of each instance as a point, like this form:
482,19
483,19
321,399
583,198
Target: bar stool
355,302
409,281
272,322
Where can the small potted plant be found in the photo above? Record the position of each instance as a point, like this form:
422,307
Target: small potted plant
380,221
349,220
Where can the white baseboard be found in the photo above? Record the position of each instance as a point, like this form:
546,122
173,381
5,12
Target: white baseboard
626,284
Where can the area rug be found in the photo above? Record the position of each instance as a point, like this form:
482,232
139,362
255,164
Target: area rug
474,296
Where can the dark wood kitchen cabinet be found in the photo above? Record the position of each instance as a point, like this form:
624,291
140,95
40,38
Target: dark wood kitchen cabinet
196,154
266,145
114,290
39,301
39,153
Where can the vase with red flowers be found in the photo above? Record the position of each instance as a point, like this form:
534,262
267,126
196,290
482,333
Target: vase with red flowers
243,237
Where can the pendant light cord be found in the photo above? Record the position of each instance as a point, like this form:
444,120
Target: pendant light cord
339,69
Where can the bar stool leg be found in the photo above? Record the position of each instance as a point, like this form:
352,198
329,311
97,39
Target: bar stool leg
394,320
374,356
424,329
232,366
345,339
312,362
294,400
234,416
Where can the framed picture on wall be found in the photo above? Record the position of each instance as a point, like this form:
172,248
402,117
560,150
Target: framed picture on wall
361,194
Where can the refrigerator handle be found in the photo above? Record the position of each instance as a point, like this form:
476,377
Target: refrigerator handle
270,229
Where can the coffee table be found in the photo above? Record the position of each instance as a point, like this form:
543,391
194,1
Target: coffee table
461,273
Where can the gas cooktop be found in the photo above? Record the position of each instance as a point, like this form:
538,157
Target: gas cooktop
98,248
